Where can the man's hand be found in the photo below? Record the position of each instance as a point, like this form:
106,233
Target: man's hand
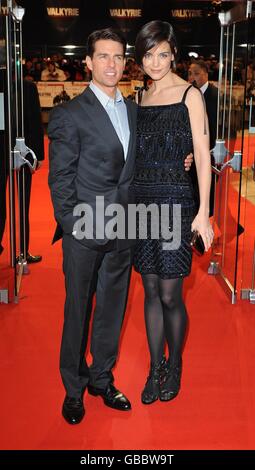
188,162
39,164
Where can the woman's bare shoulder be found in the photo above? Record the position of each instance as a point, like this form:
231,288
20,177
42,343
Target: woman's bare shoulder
177,89
194,94
178,81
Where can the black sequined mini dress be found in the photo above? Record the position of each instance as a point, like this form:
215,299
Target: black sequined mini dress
164,139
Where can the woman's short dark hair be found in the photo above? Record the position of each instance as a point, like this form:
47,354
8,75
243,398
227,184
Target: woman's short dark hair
107,33
152,34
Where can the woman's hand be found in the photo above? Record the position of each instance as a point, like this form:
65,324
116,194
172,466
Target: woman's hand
188,161
202,225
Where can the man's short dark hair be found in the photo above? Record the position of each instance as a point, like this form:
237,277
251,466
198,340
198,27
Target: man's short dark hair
203,65
152,34
107,33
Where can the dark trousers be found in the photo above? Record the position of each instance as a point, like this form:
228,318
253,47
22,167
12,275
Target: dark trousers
3,183
87,272
25,193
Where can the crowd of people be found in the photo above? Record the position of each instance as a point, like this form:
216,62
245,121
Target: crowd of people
57,68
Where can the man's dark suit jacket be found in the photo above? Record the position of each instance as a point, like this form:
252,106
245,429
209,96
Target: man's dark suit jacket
211,97
87,160
33,128
34,139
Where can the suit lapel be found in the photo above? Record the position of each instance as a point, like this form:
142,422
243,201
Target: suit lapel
131,127
130,160
100,118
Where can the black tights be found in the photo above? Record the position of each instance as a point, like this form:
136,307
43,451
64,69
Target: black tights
165,316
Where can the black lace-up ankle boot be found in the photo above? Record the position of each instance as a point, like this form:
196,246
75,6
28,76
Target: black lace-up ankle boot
151,390
170,385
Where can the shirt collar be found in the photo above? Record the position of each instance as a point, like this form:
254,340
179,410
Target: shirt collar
204,87
103,97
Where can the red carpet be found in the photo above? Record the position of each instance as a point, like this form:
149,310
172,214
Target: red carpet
214,410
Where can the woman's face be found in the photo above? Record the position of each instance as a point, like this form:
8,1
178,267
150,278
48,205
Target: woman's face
157,61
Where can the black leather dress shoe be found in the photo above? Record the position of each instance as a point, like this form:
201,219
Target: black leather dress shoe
73,410
112,397
33,258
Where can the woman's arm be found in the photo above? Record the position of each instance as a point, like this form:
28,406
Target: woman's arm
200,135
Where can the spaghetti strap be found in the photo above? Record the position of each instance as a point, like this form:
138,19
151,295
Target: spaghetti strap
185,93
203,99
140,95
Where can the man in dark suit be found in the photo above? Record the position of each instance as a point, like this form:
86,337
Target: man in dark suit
198,75
92,155
92,152
34,139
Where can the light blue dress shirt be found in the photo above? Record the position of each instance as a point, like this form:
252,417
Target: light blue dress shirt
117,112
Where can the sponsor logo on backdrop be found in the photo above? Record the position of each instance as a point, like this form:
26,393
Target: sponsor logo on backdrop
64,12
125,13
54,10
184,14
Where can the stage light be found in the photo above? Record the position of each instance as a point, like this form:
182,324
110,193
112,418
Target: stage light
193,54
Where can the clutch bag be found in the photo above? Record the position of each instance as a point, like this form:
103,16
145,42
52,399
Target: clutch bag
197,243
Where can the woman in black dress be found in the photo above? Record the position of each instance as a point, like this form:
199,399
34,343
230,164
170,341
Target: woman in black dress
171,123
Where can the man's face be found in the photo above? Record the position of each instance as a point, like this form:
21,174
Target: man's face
107,64
51,68
199,75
